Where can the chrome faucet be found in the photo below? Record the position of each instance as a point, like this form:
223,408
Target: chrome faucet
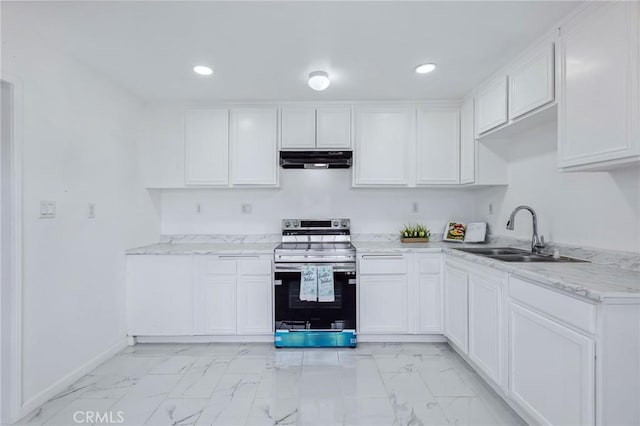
537,243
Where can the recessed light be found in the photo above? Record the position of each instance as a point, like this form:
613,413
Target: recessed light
425,68
319,80
202,70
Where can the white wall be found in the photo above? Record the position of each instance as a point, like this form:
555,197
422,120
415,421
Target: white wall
597,209
79,136
312,194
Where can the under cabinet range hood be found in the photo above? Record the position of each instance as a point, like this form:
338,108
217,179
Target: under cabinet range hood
316,159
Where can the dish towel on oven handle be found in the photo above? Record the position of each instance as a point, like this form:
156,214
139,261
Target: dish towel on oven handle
309,284
326,291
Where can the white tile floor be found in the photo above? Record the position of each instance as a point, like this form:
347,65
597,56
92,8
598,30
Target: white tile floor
256,384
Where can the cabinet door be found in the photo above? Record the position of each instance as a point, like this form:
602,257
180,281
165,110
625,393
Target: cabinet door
487,326
551,369
491,105
255,304
298,128
599,100
429,303
456,307
159,296
467,143
207,147
334,128
438,148
383,137
531,82
383,304
254,146
216,305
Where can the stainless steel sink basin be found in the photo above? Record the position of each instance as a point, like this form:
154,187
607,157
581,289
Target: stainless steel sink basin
494,251
511,254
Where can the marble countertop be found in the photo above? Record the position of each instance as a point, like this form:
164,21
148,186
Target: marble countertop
204,248
594,280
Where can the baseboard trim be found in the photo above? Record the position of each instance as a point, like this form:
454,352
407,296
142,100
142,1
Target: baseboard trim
263,338
58,386
401,338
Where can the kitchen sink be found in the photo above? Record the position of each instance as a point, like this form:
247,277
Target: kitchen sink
510,254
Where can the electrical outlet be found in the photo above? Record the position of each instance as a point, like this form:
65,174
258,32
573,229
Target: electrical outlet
91,213
47,209
490,208
415,207
246,208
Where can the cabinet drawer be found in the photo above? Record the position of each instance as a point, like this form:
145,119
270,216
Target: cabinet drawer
256,266
218,265
390,263
429,265
572,311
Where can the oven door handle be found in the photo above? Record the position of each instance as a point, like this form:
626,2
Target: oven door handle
288,267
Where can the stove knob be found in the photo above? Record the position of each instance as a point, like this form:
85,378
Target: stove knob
336,223
287,224
295,223
344,223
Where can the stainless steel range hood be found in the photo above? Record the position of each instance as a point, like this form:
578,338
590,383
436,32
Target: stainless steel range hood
316,159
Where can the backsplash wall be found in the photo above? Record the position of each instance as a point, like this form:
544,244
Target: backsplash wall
311,194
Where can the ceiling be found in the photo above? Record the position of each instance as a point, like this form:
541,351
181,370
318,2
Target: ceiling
265,50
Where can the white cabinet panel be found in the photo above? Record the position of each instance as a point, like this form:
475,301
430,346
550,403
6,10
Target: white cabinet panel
207,147
298,128
531,82
599,105
456,307
551,369
491,105
487,334
216,305
438,146
383,138
383,304
254,305
467,143
333,128
254,146
429,303
159,295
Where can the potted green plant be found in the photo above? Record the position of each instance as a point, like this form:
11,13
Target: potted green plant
415,234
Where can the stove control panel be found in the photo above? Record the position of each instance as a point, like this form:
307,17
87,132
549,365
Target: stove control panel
315,224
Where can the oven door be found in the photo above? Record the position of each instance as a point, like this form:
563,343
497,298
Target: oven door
293,314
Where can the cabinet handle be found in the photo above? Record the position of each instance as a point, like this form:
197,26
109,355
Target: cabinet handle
236,256
382,256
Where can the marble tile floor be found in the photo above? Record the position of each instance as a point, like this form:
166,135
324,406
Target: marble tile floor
256,384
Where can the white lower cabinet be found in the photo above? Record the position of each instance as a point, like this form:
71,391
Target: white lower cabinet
159,295
551,369
383,304
456,312
429,293
173,295
487,325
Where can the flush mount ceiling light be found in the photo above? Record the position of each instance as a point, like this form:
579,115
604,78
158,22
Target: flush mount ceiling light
319,80
425,68
202,70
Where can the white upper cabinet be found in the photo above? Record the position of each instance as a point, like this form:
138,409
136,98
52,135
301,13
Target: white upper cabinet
333,127
599,102
438,146
383,139
254,146
491,105
467,143
207,147
531,81
298,128
309,128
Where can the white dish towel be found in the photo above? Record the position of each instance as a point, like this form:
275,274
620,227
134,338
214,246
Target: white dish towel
309,284
326,291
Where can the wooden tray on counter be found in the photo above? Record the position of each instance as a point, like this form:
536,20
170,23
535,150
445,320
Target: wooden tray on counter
414,240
